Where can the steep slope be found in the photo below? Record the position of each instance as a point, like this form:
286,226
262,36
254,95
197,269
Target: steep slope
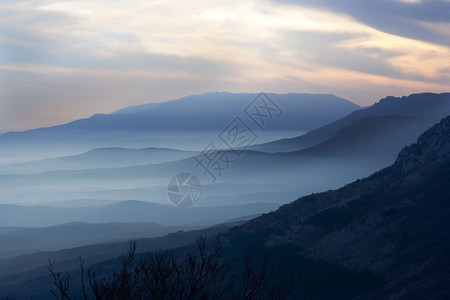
394,223
375,138
426,109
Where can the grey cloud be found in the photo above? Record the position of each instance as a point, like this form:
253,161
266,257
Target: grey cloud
323,47
161,62
34,16
38,51
391,16
365,60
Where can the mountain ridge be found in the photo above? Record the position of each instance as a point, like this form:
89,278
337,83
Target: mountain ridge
243,99
130,211
429,106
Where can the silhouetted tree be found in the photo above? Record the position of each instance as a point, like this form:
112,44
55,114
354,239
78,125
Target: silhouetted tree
61,281
162,275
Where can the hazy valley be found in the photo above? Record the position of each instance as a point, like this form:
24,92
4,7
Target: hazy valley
109,185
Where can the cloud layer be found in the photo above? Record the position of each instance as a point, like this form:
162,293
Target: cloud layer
61,60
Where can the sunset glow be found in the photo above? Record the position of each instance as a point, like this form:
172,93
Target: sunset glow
63,60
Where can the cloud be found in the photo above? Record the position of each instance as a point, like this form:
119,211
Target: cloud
406,18
61,60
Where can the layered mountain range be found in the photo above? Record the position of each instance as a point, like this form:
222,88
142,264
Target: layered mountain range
381,237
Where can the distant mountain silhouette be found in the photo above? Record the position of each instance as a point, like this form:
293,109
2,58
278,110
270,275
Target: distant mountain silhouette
376,138
126,212
136,108
419,111
20,240
174,124
113,157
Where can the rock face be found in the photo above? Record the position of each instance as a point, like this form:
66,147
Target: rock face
395,223
432,148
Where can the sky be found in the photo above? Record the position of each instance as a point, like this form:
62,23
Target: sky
64,60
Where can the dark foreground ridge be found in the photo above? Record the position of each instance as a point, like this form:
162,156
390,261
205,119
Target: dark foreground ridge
394,224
